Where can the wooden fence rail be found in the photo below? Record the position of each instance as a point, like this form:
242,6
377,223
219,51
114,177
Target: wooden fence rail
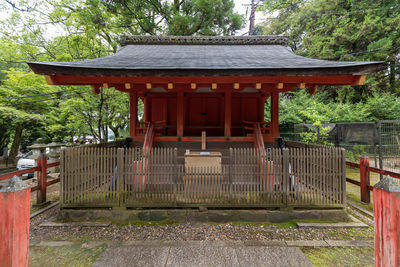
128,177
364,183
42,184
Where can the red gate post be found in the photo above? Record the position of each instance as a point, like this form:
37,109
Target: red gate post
387,220
15,202
42,179
364,180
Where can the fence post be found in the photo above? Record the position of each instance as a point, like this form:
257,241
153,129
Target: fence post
120,176
364,180
343,154
230,173
42,179
15,199
285,176
380,147
176,174
387,217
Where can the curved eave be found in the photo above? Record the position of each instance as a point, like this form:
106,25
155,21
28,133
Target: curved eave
45,68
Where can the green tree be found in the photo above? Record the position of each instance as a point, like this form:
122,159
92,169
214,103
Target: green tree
178,17
343,30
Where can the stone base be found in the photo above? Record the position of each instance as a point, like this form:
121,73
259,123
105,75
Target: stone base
194,215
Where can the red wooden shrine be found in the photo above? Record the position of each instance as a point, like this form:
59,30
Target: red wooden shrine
217,85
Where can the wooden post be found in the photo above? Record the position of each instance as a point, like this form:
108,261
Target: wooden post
203,140
179,114
285,177
387,220
275,114
132,114
15,199
364,180
42,179
228,117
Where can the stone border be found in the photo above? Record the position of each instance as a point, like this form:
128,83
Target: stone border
194,215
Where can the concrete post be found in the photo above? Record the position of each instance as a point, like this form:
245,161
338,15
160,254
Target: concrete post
54,155
387,220
14,223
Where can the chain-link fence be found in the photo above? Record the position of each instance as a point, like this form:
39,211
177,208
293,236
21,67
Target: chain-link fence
379,141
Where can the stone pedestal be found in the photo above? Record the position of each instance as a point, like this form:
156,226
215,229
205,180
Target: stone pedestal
14,223
387,221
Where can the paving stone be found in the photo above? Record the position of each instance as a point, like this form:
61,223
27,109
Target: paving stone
332,225
202,256
54,243
350,243
88,224
140,256
307,243
272,256
260,243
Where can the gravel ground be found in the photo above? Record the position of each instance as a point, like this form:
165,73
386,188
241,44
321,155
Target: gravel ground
189,231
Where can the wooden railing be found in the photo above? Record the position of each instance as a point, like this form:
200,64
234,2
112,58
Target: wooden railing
42,183
364,183
111,177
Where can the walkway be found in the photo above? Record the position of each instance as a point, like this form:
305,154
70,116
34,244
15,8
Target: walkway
202,254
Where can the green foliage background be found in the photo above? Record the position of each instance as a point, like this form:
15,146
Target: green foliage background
69,30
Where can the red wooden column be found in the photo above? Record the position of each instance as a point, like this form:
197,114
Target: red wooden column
387,221
364,180
42,179
132,113
228,112
275,114
179,114
14,223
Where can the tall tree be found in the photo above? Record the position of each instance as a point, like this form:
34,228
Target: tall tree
343,30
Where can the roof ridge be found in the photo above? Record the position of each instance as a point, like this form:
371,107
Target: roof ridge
204,40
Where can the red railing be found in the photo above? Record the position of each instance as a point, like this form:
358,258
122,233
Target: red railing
42,183
364,183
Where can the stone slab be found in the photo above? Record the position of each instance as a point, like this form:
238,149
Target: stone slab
307,243
202,256
333,225
140,256
54,243
87,224
350,243
272,256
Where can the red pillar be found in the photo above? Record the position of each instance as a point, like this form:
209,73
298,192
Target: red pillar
364,180
387,221
42,179
228,110
14,223
274,114
132,113
179,114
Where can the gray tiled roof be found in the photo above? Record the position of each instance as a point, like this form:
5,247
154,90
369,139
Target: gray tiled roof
204,59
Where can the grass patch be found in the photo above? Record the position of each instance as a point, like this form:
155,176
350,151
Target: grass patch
353,234
75,255
340,256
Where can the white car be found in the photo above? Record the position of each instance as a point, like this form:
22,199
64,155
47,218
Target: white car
26,162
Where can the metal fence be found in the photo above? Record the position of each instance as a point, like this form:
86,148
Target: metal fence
381,145
292,177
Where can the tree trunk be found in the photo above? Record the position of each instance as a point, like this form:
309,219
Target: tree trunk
15,144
